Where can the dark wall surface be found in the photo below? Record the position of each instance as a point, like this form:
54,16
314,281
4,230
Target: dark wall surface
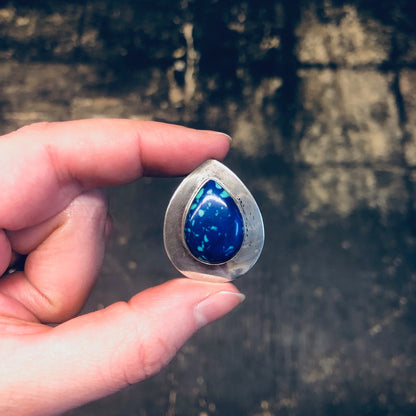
320,98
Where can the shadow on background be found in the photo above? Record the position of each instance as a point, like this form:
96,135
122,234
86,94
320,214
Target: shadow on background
320,99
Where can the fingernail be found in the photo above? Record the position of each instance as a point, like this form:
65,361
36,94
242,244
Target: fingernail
224,134
216,306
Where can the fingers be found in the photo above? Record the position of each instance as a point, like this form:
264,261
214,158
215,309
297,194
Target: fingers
47,165
96,354
65,254
5,252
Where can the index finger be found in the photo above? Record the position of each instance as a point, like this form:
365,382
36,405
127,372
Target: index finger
46,165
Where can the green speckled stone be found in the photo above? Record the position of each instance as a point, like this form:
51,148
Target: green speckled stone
214,226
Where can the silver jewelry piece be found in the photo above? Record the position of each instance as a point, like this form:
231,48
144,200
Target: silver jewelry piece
213,227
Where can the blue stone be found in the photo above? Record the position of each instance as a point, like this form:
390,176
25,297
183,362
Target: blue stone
214,226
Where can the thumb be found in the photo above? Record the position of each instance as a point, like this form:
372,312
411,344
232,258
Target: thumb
97,354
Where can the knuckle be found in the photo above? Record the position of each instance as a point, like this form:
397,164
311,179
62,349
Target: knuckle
152,358
92,205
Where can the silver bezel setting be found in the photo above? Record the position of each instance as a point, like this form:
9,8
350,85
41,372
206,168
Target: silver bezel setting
173,232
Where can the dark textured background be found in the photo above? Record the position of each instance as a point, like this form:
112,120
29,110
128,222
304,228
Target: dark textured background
320,98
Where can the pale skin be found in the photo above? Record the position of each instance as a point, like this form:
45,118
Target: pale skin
52,210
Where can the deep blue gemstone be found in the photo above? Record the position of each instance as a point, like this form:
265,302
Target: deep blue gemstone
214,227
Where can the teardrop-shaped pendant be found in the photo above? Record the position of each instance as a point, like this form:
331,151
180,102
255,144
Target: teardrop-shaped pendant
213,227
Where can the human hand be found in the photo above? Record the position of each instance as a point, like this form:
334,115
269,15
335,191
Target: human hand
52,211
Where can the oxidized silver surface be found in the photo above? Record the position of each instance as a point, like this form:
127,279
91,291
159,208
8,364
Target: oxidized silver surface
177,209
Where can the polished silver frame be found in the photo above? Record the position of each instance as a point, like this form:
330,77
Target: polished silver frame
177,209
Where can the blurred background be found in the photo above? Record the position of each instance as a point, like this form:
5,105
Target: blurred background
320,98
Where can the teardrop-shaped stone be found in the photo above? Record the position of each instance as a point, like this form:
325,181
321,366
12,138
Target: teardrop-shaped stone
214,226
